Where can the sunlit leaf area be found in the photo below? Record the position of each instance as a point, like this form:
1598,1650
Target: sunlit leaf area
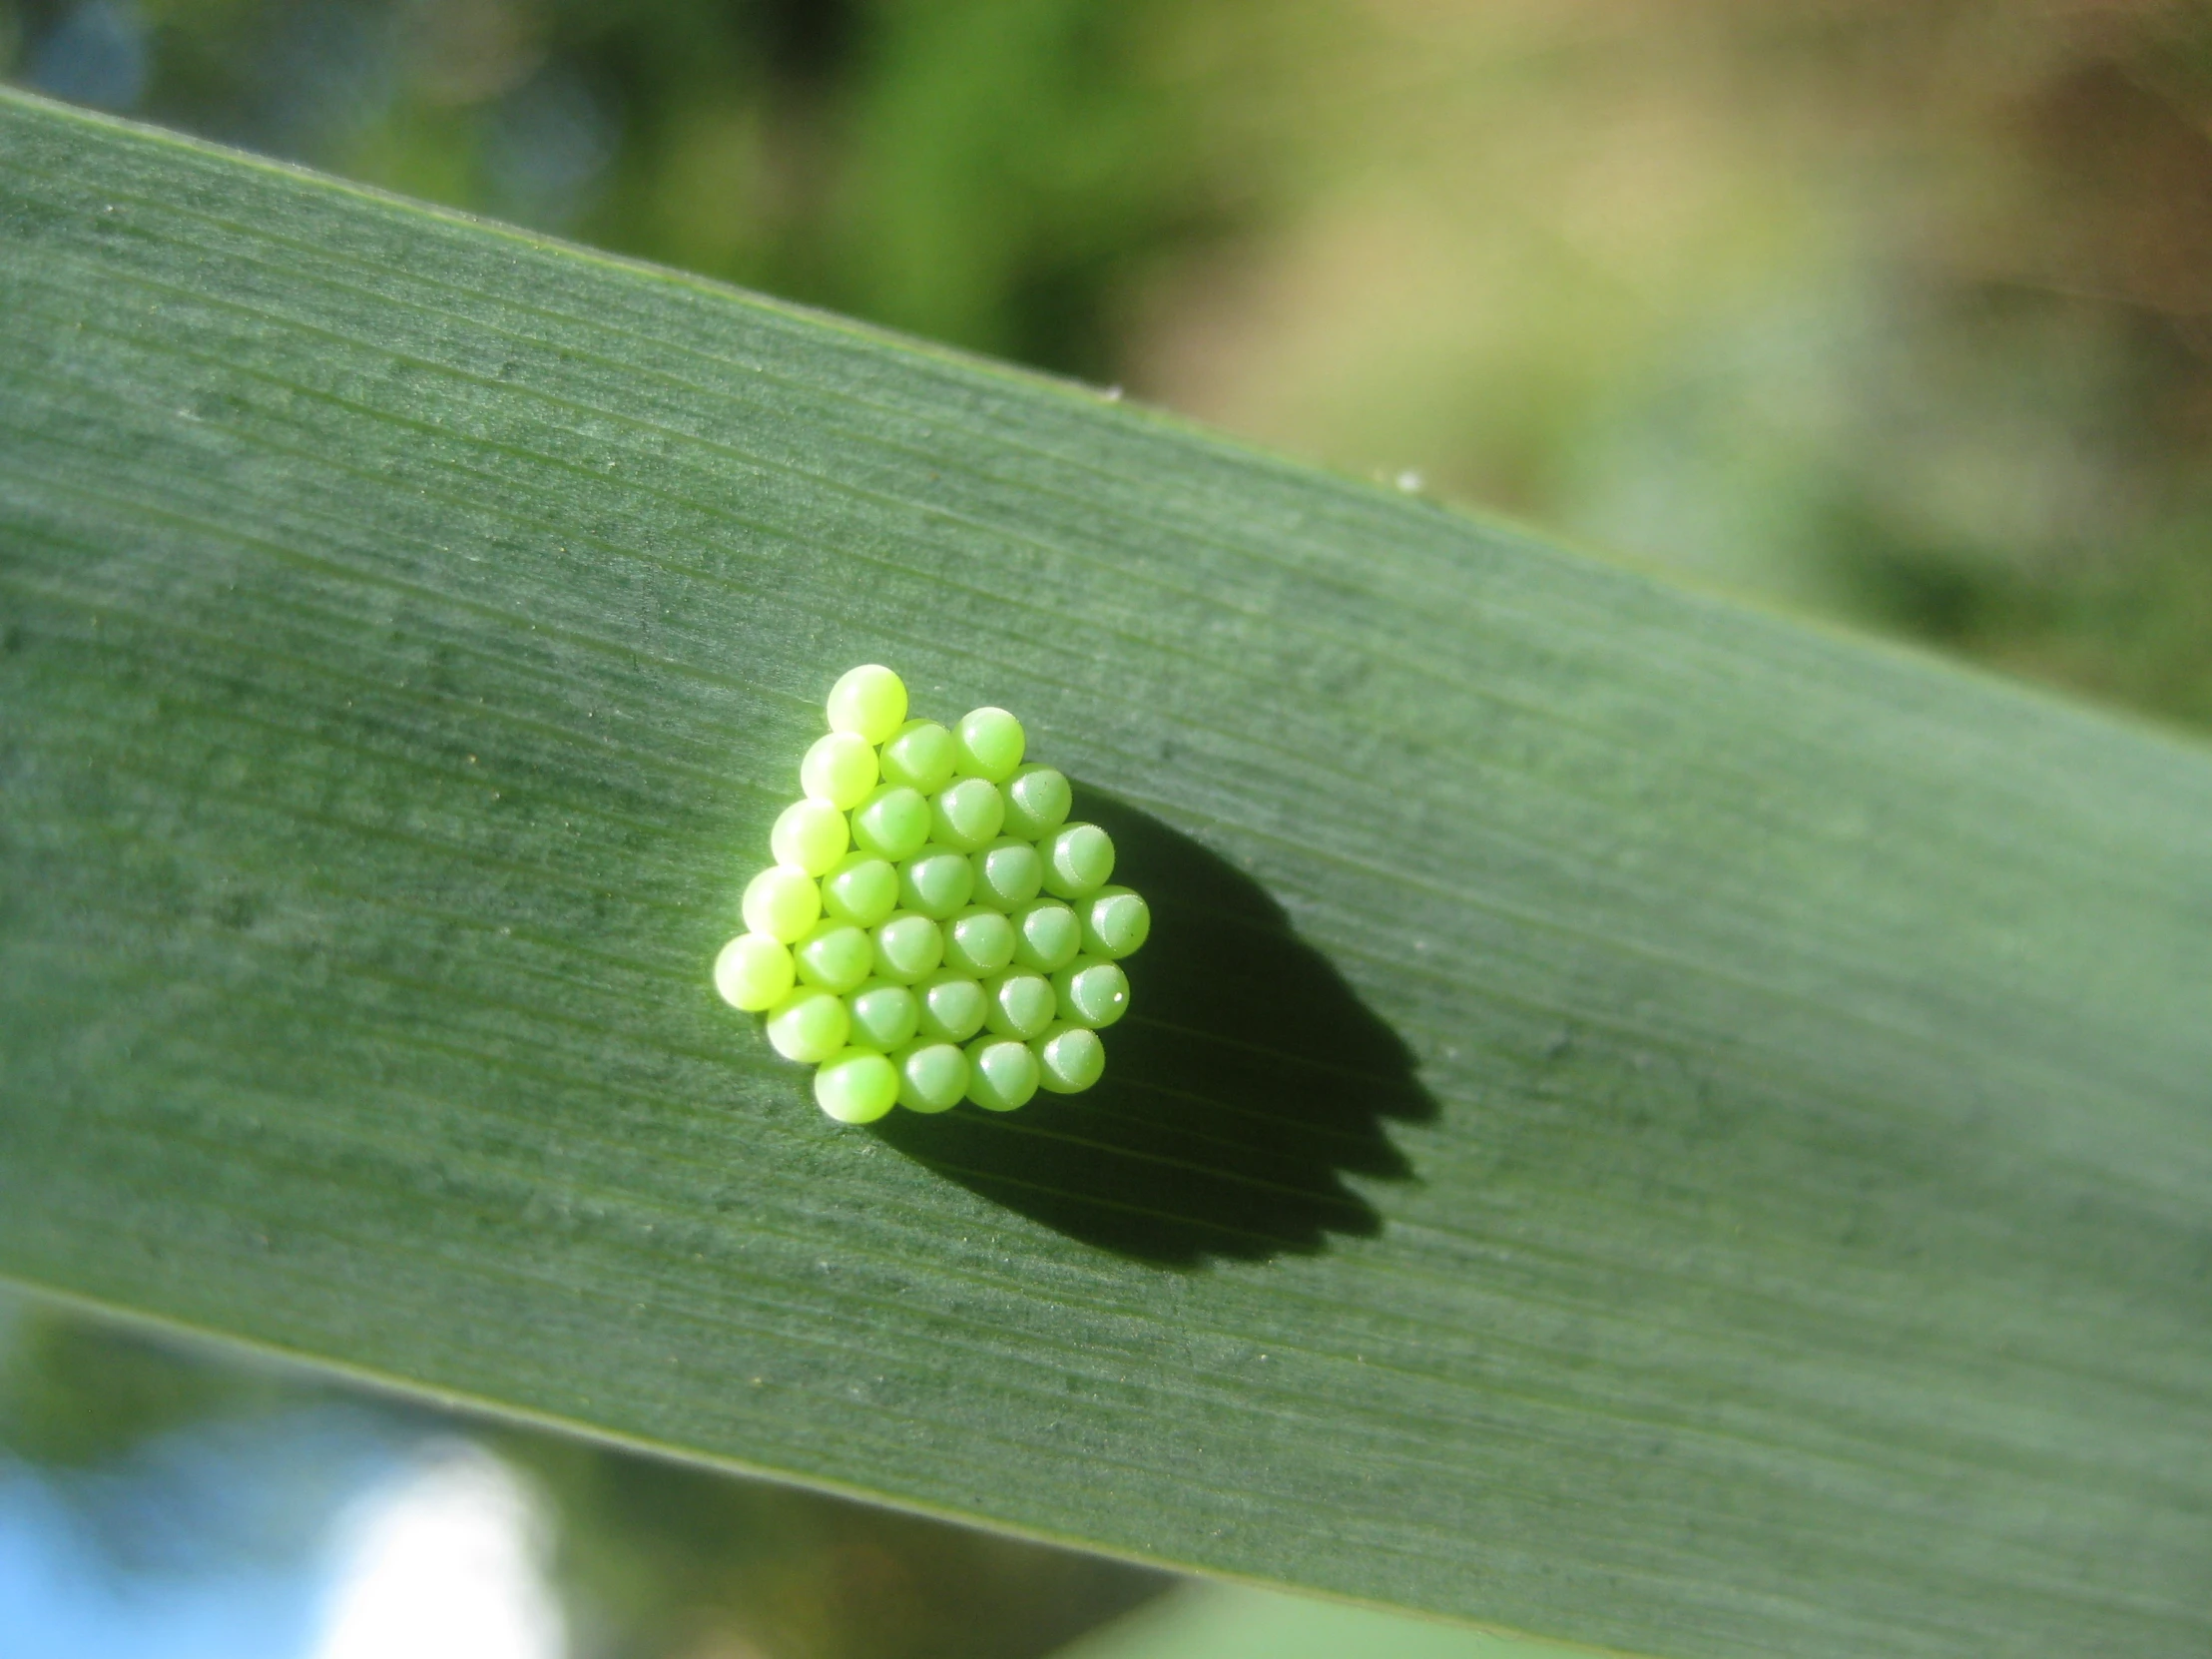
1892,314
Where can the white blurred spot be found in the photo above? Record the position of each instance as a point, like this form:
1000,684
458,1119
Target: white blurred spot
445,1562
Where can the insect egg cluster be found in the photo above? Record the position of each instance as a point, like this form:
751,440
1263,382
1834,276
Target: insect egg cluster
934,928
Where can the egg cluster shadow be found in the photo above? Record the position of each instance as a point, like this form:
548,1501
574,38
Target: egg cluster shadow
1247,1082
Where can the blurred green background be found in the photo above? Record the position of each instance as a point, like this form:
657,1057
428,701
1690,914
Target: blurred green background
1896,313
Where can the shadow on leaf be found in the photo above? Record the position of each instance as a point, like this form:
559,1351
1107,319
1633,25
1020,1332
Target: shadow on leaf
1246,1082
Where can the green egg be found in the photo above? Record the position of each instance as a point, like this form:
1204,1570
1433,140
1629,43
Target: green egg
1115,922
1078,858
953,1005
936,882
1008,874
1002,1073
1047,935
1019,1005
884,1015
808,1025
1070,1058
920,756
1091,991
893,823
868,700
856,1085
811,835
932,1076
835,955
978,941
1037,802
989,742
862,889
781,901
839,770
755,973
967,816
908,948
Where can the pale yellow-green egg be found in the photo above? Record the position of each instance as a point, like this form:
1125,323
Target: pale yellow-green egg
811,835
856,1085
839,769
808,1025
781,901
753,973
870,701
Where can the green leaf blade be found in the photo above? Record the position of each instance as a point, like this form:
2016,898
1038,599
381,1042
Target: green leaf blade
410,630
